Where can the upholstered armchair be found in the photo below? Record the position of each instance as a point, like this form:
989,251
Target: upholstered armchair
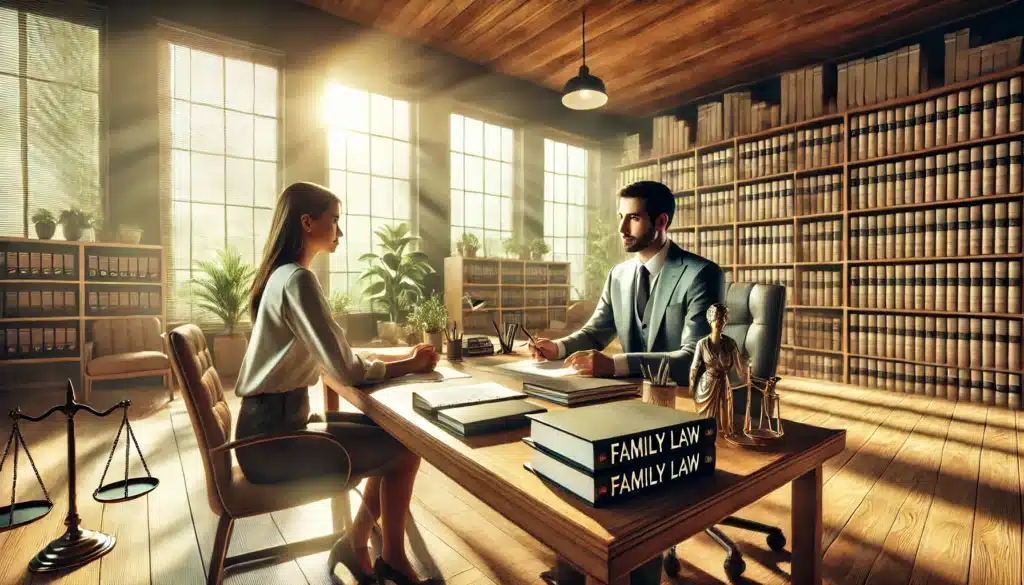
126,348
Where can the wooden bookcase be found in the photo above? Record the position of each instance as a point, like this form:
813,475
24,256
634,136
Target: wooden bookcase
36,321
531,293
721,205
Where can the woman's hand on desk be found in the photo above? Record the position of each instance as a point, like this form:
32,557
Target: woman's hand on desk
422,358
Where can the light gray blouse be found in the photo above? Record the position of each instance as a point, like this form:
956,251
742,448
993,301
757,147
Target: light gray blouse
295,337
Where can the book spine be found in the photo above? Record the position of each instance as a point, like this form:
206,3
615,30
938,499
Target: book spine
683,466
610,453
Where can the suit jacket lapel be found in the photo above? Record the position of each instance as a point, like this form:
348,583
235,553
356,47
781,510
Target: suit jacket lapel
666,285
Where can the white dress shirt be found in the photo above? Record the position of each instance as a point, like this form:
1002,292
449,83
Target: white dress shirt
654,267
295,337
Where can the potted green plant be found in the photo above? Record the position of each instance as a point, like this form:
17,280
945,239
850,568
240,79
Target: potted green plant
341,306
45,222
604,251
129,234
222,289
432,317
75,221
467,245
396,275
538,247
513,248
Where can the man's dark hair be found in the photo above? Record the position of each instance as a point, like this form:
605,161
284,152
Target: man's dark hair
657,198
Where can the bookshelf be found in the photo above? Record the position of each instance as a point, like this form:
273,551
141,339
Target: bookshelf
46,303
862,242
531,293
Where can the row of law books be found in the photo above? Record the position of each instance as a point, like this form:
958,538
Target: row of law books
821,288
938,233
990,110
38,341
993,169
680,174
766,244
631,149
872,80
782,276
641,173
767,156
686,239
670,136
960,384
819,147
606,453
717,168
955,287
768,200
820,194
686,210
716,207
810,365
123,302
24,263
804,93
30,302
821,241
950,341
964,62
818,331
122,267
717,245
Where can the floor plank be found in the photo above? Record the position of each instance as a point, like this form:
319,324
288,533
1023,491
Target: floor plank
995,550
945,553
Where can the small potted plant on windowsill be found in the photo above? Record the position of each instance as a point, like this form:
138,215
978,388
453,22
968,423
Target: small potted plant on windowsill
75,221
341,305
513,248
432,317
538,247
467,245
45,222
222,289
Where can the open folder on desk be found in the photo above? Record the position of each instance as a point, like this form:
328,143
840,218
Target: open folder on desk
550,369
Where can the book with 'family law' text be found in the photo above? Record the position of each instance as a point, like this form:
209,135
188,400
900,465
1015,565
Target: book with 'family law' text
604,436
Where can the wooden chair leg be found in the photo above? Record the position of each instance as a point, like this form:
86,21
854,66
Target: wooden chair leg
220,550
169,383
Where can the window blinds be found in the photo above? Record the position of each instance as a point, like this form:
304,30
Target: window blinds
49,118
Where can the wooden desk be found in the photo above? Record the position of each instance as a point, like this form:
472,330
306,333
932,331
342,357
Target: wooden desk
606,544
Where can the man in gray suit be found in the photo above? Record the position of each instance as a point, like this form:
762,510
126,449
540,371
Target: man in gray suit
655,303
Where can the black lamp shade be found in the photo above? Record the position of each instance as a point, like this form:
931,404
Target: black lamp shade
584,92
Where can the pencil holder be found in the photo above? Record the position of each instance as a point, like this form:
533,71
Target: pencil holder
660,395
455,350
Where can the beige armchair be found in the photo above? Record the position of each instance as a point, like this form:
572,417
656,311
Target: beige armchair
126,348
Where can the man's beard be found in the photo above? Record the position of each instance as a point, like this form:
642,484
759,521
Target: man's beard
641,242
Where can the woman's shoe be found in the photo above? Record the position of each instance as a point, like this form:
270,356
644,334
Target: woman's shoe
342,552
386,572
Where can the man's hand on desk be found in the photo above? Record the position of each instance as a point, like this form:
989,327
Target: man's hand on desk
591,363
544,348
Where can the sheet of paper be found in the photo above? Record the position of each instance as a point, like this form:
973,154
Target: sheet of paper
552,368
439,374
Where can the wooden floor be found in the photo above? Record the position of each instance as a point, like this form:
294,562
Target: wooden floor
926,492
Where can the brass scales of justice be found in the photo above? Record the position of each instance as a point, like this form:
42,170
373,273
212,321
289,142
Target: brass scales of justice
77,546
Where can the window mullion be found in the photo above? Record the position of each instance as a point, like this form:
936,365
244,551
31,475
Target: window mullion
23,104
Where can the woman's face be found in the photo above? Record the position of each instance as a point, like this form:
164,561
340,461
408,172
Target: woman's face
322,234
721,318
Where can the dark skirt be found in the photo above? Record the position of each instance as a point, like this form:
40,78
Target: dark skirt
373,451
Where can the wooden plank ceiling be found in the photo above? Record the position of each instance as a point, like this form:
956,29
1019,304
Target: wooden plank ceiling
652,55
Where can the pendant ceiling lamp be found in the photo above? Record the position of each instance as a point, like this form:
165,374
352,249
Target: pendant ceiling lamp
585,91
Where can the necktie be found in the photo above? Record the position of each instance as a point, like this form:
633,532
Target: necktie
643,291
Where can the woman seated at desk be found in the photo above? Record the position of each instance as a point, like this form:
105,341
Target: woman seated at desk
293,338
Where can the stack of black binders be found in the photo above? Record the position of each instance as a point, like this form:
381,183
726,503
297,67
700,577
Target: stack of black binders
608,452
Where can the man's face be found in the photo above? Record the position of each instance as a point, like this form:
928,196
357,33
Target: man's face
635,227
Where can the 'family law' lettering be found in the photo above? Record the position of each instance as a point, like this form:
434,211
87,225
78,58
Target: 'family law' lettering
653,444
655,474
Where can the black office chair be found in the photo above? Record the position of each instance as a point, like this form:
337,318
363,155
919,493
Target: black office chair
755,323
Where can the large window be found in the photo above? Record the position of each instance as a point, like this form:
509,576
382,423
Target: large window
49,119
224,162
482,182
369,160
565,206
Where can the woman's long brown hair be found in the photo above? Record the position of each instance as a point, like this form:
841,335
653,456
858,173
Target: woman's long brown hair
284,242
